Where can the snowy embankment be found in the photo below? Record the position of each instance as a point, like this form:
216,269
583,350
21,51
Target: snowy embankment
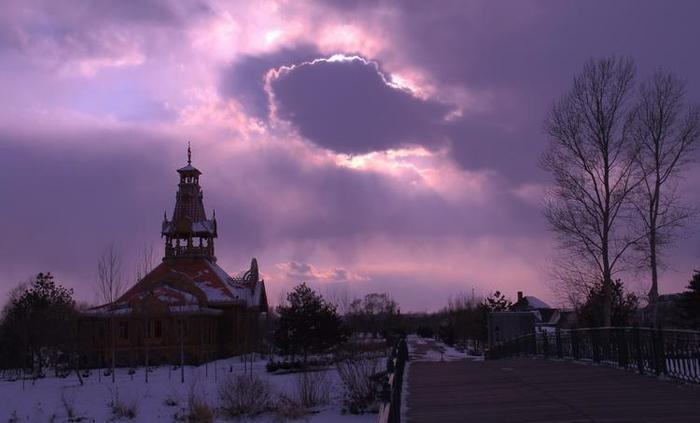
163,398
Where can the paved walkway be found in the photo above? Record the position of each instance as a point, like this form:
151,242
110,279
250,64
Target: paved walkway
537,390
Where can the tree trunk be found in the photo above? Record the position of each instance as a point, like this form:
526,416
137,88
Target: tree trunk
654,291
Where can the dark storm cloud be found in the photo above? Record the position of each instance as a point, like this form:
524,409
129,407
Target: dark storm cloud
524,55
483,143
347,106
244,78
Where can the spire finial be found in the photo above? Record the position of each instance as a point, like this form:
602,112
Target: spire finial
189,154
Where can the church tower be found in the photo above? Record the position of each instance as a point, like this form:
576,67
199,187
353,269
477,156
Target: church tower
189,234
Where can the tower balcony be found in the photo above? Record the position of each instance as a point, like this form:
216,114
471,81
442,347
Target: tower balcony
189,251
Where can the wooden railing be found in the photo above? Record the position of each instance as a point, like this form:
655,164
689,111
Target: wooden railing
674,353
390,405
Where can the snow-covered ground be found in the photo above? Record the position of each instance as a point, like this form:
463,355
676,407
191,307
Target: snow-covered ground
161,399
424,349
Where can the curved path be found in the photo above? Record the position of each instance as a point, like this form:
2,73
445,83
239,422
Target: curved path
538,390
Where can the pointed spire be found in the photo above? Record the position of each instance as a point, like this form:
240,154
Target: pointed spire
165,215
213,213
189,154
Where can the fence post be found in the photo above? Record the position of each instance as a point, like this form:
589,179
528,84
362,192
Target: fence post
659,353
574,344
595,344
560,352
622,350
545,344
638,349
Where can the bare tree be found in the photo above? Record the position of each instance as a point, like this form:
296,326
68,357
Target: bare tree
589,157
666,132
340,298
145,262
109,288
110,284
571,279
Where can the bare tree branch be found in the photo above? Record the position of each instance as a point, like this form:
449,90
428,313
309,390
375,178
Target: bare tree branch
591,159
145,262
110,285
666,133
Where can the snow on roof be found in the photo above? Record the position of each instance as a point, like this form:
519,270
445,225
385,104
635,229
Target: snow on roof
106,310
534,302
192,282
193,309
188,168
239,291
213,293
172,295
202,226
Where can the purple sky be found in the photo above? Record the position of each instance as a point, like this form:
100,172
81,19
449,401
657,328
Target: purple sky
360,146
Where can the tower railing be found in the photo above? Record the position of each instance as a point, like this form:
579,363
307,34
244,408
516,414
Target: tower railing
185,250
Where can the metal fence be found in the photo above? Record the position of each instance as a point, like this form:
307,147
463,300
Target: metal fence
390,406
674,353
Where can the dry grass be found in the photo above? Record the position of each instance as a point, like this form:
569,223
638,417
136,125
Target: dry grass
313,389
244,395
123,409
198,409
289,409
360,391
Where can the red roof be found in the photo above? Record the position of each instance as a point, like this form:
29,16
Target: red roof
179,284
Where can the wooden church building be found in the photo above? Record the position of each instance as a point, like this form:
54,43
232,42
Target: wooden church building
187,308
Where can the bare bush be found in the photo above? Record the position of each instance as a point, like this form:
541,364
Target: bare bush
244,395
123,409
289,409
198,409
313,389
360,391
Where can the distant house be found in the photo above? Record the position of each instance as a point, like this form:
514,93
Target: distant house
506,325
527,315
188,307
546,316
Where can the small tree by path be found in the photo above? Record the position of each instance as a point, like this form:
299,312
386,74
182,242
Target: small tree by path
624,307
307,324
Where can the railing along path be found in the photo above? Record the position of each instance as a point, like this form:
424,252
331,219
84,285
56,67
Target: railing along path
390,405
674,353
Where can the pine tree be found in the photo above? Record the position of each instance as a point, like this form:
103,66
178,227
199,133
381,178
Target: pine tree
307,324
40,319
498,302
624,306
689,303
